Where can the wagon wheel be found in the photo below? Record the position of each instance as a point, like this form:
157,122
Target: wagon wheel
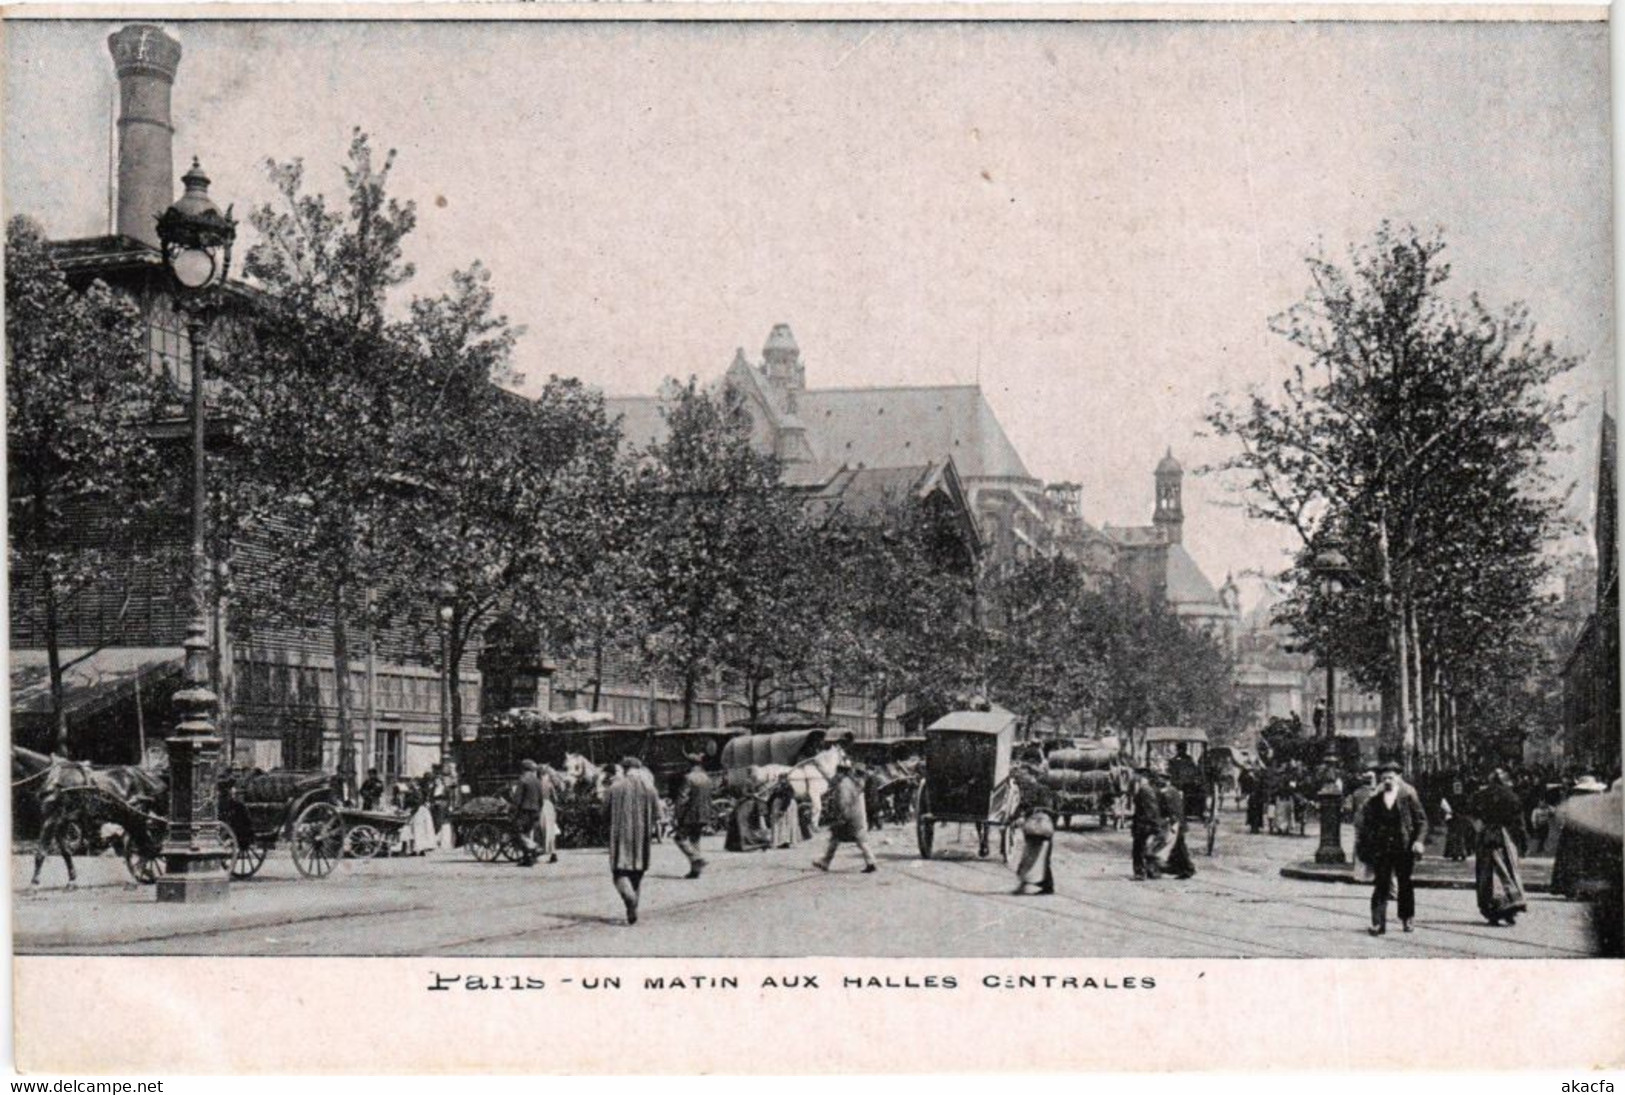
228,846
71,838
508,849
924,826
483,841
249,859
363,841
318,839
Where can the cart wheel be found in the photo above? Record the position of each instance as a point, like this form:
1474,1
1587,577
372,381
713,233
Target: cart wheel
508,847
924,826
1009,837
318,839
483,842
71,838
249,859
145,867
228,844
363,842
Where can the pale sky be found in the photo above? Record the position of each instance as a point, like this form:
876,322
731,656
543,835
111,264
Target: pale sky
1093,220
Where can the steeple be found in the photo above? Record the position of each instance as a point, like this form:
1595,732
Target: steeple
781,360
1170,513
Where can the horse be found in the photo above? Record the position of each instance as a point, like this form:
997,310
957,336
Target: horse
810,778
61,785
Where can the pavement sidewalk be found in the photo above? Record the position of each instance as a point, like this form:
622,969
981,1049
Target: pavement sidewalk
110,909
1432,872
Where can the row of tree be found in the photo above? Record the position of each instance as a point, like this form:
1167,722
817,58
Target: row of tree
1415,433
383,474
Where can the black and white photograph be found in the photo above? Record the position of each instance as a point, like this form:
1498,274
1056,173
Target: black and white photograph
1066,489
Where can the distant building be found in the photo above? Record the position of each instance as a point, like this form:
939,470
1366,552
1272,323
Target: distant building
817,432
1591,719
1153,559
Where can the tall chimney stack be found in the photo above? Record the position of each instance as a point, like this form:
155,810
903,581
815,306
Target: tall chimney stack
145,59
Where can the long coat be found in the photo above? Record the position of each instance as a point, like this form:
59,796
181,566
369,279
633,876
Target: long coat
1385,833
634,815
1147,809
851,817
694,800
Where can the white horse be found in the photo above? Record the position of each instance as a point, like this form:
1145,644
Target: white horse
810,778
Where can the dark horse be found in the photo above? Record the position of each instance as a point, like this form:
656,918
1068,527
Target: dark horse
62,787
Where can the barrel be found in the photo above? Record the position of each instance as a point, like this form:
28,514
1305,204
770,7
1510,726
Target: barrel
1089,759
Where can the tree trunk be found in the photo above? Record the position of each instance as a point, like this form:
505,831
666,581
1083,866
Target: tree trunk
829,698
53,659
597,674
1419,706
456,642
341,688
882,702
1398,652
753,697
690,689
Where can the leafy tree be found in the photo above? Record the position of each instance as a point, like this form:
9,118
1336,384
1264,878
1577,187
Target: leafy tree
83,475
899,617
313,386
1416,430
719,541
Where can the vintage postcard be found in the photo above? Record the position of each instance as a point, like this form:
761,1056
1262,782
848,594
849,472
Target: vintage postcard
874,519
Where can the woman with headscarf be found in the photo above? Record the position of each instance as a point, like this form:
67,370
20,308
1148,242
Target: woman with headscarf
784,813
1501,840
1038,843
550,814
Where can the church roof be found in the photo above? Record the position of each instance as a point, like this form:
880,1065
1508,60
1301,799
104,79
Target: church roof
1135,535
872,427
1168,465
893,427
1186,582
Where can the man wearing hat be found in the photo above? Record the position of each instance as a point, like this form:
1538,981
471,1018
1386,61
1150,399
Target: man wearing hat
527,811
693,812
851,821
1392,830
1147,824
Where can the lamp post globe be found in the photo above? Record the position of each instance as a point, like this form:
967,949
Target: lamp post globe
1332,574
196,240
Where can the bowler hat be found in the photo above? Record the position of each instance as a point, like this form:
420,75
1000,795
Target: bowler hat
1391,766
528,765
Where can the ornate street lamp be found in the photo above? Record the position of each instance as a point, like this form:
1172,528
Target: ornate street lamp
1333,574
446,614
196,239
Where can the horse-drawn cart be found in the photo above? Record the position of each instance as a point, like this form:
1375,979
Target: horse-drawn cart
306,810
967,778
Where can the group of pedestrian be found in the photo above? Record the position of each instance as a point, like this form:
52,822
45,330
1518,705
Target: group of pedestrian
1158,828
1390,836
535,814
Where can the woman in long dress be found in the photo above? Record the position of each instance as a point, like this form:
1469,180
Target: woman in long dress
1459,828
1038,836
549,824
1501,838
785,814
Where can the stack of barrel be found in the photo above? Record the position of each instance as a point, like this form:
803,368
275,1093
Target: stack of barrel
1074,773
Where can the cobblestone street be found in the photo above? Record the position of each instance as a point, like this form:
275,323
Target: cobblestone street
775,904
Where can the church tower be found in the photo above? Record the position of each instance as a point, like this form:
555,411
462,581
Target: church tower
781,361
1170,514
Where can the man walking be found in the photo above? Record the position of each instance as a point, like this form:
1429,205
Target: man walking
1392,829
634,814
527,811
693,812
851,822
1146,825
